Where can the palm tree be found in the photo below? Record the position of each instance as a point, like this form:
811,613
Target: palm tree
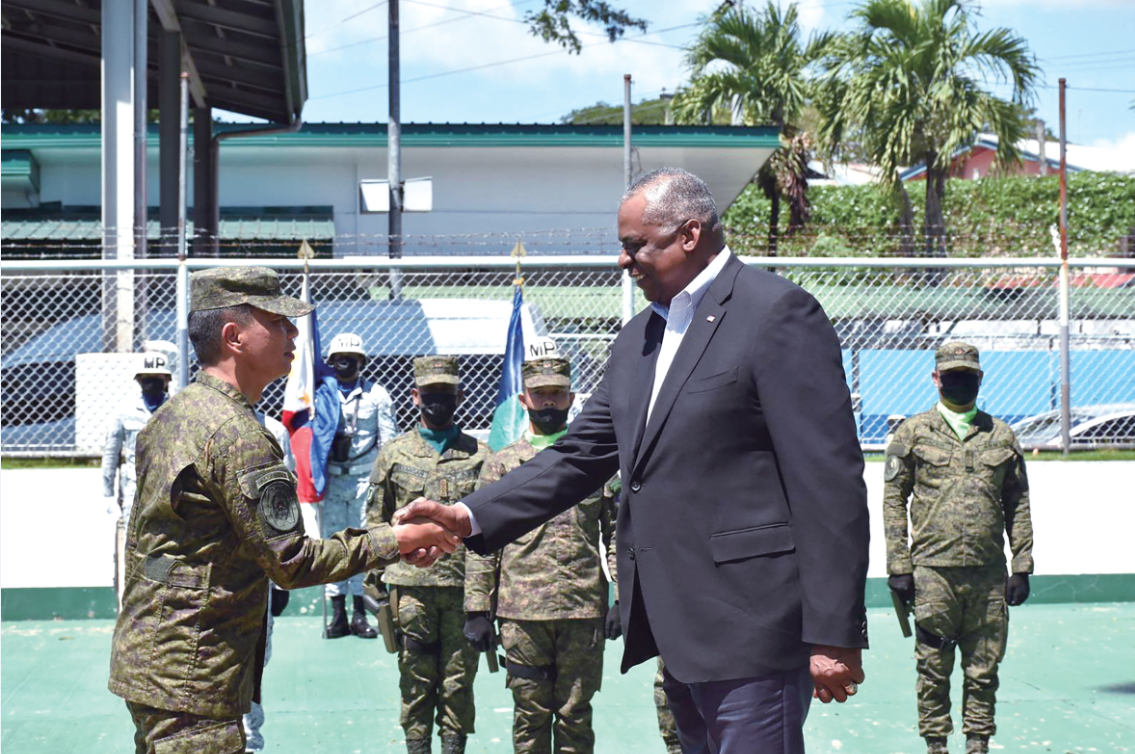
752,65
906,86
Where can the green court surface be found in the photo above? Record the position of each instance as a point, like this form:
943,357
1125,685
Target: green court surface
1067,685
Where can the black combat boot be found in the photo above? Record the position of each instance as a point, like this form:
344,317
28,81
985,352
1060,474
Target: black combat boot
339,626
977,744
359,625
419,746
936,746
453,743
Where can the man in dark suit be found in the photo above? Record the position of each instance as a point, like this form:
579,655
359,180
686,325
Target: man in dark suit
743,526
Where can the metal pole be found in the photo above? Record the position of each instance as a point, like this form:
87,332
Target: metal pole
1065,356
627,285
141,110
394,151
182,269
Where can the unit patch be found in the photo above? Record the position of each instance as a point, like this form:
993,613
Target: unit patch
279,508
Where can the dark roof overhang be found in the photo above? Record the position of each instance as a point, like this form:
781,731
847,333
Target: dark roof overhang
247,56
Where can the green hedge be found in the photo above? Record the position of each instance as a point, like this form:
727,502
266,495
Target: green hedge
1005,216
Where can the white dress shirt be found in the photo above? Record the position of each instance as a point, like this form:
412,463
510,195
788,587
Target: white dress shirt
678,315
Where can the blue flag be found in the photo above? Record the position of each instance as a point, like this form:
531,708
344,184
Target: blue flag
509,418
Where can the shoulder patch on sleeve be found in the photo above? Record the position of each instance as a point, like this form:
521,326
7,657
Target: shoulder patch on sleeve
898,449
279,507
892,468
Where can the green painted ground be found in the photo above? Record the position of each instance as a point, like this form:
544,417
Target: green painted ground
1068,685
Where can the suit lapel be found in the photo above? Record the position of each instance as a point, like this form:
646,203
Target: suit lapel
706,320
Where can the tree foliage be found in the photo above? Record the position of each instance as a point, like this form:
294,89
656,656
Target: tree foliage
906,87
994,216
648,112
552,23
752,68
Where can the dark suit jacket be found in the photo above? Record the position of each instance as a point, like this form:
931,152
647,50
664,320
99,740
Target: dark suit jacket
742,530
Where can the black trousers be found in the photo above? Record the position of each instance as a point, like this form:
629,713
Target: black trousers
762,715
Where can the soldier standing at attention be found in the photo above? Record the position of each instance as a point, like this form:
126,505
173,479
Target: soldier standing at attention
439,461
153,377
551,594
366,423
667,725
967,475
216,516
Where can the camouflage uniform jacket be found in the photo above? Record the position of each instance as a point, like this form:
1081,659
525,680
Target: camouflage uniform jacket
408,468
966,494
552,572
216,516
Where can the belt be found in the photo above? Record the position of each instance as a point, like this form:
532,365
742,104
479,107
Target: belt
344,470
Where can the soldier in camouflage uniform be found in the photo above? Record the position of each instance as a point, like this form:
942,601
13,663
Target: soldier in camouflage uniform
153,377
216,515
548,588
667,726
439,461
966,473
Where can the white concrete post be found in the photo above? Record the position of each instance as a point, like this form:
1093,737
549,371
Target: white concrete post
118,168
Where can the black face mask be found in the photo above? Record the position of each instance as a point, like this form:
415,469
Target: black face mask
438,408
152,387
959,387
346,367
548,420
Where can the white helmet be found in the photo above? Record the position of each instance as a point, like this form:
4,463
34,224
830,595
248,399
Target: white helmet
346,342
153,364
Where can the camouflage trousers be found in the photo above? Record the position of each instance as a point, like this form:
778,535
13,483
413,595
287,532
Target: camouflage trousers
558,706
667,726
159,731
437,662
962,607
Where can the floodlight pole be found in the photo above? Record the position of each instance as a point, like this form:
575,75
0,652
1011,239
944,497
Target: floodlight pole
1065,345
394,151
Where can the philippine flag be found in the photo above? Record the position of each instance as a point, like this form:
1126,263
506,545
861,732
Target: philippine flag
311,408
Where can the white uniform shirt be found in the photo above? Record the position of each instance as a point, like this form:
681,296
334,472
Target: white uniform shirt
369,408
118,448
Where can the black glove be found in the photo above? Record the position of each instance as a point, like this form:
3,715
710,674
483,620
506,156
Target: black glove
278,600
479,631
902,584
612,626
1017,590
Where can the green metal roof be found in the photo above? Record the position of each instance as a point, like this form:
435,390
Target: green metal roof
18,166
433,135
14,230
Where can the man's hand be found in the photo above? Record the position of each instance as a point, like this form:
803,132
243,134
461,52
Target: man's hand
612,626
423,539
453,518
903,585
479,631
836,672
1017,590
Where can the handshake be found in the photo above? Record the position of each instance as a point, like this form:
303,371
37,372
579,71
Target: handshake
426,530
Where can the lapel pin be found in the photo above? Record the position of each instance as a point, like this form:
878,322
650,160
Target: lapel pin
710,318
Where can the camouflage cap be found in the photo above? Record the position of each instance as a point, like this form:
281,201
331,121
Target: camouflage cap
435,370
222,287
956,355
550,371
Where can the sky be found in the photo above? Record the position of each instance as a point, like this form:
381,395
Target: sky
473,61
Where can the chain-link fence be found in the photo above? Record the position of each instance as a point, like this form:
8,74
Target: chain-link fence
63,321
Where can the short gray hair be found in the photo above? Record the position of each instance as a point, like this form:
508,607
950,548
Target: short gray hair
205,327
674,196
